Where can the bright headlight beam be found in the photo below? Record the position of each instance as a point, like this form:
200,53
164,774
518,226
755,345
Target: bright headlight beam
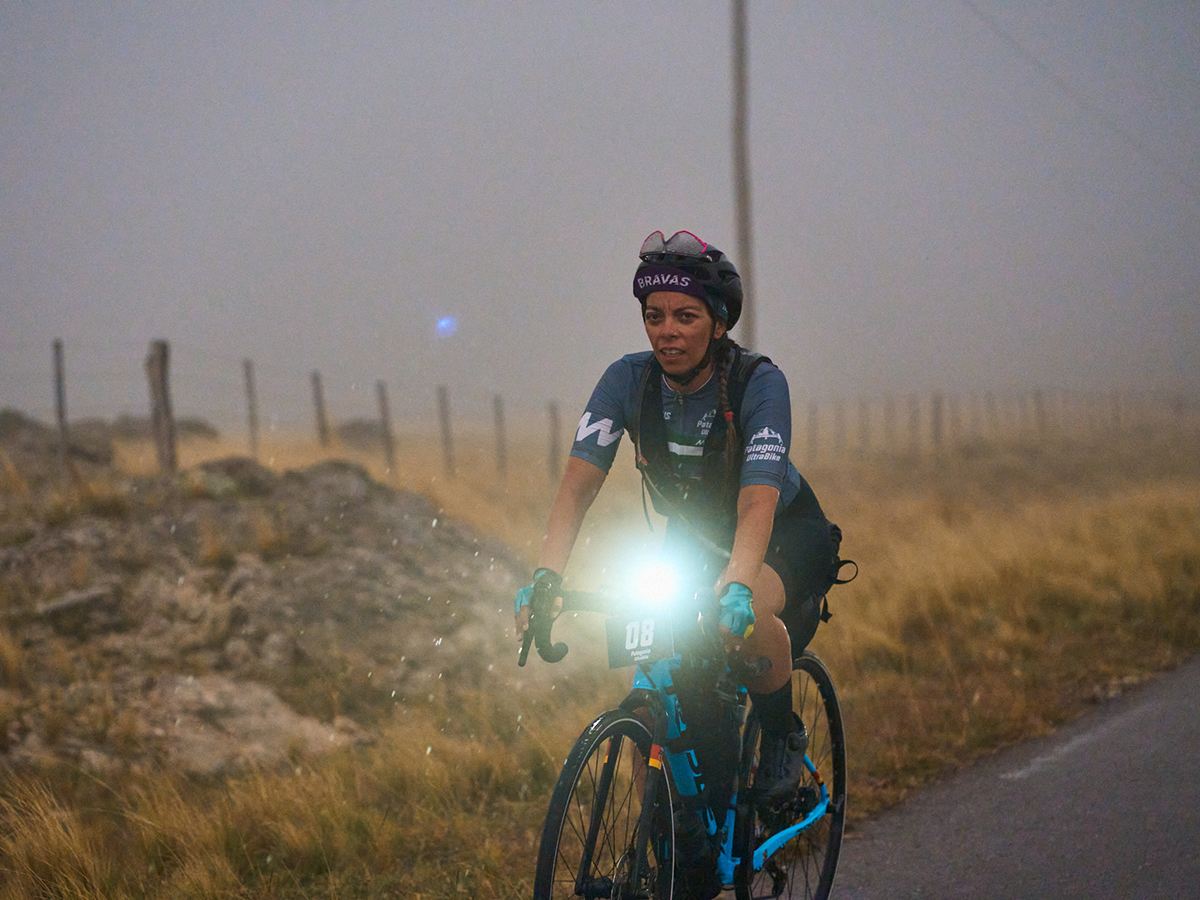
656,583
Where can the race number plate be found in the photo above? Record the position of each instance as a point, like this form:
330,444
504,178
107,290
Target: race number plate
633,640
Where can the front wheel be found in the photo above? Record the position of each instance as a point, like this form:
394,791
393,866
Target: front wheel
804,866
592,845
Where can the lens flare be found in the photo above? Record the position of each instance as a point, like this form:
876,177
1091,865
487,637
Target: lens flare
446,326
656,583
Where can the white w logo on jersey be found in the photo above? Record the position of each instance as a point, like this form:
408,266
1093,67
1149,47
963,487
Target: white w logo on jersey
602,429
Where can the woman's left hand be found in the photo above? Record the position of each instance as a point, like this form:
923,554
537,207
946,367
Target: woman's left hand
737,610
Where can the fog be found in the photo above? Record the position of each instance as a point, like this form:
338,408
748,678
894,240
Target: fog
955,196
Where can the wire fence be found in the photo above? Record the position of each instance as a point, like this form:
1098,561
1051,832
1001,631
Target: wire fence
243,398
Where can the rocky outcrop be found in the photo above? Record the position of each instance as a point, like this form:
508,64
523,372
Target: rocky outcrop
232,615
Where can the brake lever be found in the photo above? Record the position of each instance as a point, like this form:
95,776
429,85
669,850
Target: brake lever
526,643
538,631
548,651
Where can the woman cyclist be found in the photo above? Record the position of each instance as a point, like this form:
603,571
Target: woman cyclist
711,425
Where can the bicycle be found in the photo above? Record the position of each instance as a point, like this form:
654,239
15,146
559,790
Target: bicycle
621,819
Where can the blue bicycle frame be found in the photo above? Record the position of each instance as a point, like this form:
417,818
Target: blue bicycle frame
656,677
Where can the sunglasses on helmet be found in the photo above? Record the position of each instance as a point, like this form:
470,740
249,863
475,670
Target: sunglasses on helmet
681,243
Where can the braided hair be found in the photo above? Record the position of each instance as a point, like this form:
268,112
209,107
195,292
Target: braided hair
724,349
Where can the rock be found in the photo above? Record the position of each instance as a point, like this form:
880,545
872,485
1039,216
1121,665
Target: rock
320,587
238,653
83,612
92,440
346,481
214,725
278,653
362,434
234,476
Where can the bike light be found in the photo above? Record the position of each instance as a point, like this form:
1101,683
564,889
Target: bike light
656,583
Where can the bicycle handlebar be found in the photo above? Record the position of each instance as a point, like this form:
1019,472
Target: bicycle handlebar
541,620
538,633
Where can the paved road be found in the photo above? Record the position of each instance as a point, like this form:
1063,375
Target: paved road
1108,807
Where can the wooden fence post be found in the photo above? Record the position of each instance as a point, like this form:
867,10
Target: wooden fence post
251,407
385,428
60,404
889,424
162,420
935,421
319,404
914,425
447,438
501,443
839,429
555,438
864,427
1040,422
813,423
954,422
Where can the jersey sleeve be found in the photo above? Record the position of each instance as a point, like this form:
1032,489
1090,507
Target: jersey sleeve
598,434
767,428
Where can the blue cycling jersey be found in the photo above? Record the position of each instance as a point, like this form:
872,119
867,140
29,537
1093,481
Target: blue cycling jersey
765,424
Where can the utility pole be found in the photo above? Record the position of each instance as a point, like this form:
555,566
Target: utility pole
741,175
60,405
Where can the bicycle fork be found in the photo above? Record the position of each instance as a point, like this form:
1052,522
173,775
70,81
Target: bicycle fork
637,865
583,881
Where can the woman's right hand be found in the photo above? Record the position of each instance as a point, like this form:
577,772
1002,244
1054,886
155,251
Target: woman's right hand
543,579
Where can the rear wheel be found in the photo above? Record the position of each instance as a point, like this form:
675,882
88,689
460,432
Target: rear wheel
591,843
803,867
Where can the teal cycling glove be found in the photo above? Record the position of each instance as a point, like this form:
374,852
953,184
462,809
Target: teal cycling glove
546,579
737,609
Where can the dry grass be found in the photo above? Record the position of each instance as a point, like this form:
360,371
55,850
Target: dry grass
972,628
1002,591
512,510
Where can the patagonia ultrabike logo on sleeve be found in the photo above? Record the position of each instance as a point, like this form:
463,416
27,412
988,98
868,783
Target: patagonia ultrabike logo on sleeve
766,444
602,429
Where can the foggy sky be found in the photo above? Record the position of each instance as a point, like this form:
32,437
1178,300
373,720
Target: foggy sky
951,195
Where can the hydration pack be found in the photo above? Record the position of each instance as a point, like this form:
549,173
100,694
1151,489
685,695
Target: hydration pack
716,504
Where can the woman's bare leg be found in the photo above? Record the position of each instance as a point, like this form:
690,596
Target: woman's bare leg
770,636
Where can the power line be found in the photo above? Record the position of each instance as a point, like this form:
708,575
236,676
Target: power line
1064,87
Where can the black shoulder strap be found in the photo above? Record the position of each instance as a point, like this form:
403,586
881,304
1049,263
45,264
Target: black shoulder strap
649,413
744,364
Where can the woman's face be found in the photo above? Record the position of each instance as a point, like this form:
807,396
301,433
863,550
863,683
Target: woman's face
679,327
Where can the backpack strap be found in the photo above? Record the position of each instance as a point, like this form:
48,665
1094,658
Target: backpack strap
744,364
647,431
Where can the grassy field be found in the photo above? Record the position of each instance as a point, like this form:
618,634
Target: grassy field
1003,590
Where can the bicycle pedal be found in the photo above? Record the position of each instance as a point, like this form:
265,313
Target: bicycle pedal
806,800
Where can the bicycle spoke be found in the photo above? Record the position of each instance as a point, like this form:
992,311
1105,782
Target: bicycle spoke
804,866
591,841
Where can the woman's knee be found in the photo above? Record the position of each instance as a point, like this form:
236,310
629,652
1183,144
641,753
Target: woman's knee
769,595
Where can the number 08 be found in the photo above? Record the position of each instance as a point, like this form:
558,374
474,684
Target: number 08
639,634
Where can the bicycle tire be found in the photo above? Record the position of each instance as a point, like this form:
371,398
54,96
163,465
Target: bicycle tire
586,851
805,866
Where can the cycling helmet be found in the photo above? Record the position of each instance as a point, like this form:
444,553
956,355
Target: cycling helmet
688,265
